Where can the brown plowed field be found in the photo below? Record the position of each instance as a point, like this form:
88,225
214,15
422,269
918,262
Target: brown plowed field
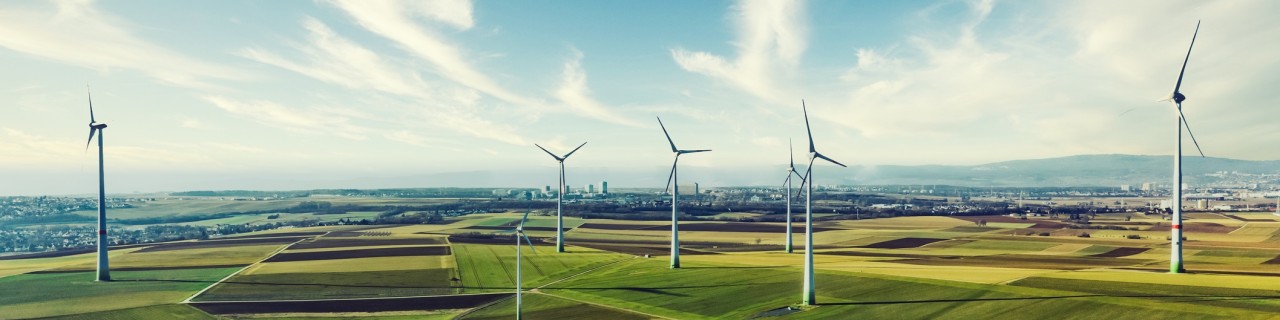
219,243
357,305
49,254
1275,260
139,268
1246,219
1120,252
503,241
362,253
274,235
717,227
1205,227
339,243
352,234
638,250
902,243
1039,223
504,228
1025,262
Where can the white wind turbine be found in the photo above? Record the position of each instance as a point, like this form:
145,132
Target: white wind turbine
791,171
806,182
675,196
560,196
104,272
1175,260
519,233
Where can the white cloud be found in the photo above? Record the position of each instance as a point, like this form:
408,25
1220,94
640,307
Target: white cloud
75,32
771,37
574,92
395,20
311,121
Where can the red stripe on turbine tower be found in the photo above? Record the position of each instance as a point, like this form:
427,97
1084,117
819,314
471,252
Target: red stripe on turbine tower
1177,226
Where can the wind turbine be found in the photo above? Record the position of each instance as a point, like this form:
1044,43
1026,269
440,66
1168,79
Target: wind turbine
791,171
808,296
560,196
1175,260
519,233
104,272
675,196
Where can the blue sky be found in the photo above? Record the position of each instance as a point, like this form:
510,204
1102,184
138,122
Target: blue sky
229,94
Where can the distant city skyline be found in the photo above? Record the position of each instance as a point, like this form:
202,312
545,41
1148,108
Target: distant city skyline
299,95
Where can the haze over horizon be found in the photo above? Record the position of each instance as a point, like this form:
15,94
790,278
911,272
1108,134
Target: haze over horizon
257,95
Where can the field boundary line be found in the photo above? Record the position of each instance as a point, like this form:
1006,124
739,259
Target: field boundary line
355,299
1246,225
272,255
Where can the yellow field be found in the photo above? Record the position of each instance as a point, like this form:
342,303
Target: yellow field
354,265
12,267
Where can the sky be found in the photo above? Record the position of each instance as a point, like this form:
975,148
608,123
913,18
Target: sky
326,94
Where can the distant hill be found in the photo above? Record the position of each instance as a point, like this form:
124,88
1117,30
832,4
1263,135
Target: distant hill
1081,170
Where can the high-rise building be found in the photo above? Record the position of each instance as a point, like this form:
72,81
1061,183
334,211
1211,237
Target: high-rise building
546,189
604,187
591,188
1146,187
1124,188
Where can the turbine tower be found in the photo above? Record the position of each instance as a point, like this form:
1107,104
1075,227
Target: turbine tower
519,233
560,196
1175,259
675,196
806,182
104,272
791,171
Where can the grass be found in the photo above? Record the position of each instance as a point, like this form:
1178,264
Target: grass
488,268
1267,301
164,311
331,285
53,294
541,306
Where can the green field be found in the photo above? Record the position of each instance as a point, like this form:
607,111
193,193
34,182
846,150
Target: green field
332,285
52,294
489,268
541,306
164,311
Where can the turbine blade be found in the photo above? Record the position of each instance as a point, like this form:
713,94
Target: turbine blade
664,132
548,152
672,174
1193,136
692,151
566,156
530,242
805,178
522,221
791,152
806,124
1188,58
819,155
91,119
91,132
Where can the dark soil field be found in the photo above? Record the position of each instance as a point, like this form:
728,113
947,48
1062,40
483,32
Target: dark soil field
340,243
1275,260
902,243
48,254
1247,219
219,243
362,253
141,268
273,235
718,227
639,250
1039,223
504,228
353,305
1205,227
457,239
1121,252
1025,262
353,234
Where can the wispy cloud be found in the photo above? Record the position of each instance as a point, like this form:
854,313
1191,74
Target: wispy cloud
75,32
315,120
771,38
574,92
395,21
